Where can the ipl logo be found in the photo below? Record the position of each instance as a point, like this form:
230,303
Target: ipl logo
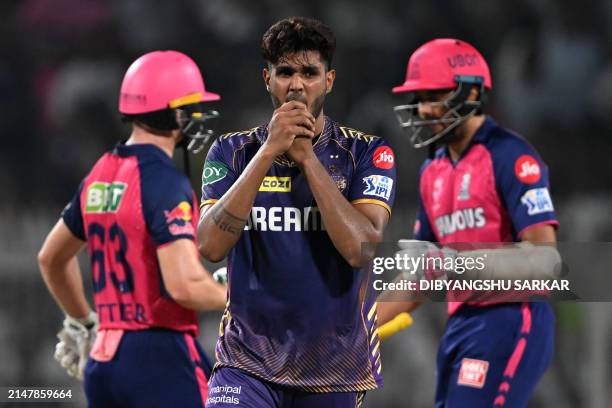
379,186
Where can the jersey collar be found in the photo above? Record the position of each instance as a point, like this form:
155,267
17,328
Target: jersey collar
482,136
141,151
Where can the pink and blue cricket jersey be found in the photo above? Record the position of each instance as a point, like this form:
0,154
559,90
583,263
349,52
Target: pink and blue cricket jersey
131,203
295,316
497,189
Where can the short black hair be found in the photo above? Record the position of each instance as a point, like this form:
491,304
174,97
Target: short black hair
298,34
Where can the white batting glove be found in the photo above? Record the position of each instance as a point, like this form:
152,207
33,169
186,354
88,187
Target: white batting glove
220,275
426,255
75,341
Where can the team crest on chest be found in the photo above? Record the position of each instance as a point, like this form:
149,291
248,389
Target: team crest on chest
437,190
337,177
464,193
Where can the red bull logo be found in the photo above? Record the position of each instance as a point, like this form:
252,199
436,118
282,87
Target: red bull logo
180,212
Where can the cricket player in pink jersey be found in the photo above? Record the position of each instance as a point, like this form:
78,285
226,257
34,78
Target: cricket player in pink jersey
483,184
137,214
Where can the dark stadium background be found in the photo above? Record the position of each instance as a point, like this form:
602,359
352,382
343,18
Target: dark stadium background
61,63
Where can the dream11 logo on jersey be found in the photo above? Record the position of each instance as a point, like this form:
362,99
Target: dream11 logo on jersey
383,158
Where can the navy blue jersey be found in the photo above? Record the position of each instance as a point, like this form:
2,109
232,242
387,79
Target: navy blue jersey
296,316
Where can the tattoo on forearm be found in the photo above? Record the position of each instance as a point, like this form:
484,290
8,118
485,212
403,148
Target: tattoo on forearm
226,221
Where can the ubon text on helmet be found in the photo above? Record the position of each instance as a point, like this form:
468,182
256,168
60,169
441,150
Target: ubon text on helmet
442,64
165,90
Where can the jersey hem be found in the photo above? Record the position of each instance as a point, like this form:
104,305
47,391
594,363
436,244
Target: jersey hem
304,388
554,223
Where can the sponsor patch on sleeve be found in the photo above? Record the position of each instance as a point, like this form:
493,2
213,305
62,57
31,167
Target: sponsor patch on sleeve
473,373
537,201
179,219
527,169
378,186
383,158
213,172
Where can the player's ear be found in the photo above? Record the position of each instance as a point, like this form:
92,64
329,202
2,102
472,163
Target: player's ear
474,94
265,73
330,77
177,135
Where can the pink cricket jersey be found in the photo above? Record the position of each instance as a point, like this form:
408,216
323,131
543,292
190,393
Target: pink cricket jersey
133,201
493,193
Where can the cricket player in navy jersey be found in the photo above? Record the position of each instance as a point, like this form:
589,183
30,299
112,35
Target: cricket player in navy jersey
290,203
136,213
484,184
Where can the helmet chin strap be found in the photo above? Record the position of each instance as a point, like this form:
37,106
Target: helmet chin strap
186,165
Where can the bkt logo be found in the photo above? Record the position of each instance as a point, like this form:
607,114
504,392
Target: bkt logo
103,197
276,184
460,220
379,186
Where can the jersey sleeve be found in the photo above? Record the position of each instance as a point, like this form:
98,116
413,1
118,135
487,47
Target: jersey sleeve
72,215
422,226
524,187
169,207
374,178
218,173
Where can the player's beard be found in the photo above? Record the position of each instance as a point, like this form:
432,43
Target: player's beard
451,137
317,105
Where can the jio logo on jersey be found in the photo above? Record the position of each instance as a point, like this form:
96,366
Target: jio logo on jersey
527,169
379,186
383,158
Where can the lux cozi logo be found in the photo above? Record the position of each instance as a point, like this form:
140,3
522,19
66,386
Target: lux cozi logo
278,184
104,197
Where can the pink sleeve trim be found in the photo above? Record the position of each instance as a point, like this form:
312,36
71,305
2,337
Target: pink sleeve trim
554,223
